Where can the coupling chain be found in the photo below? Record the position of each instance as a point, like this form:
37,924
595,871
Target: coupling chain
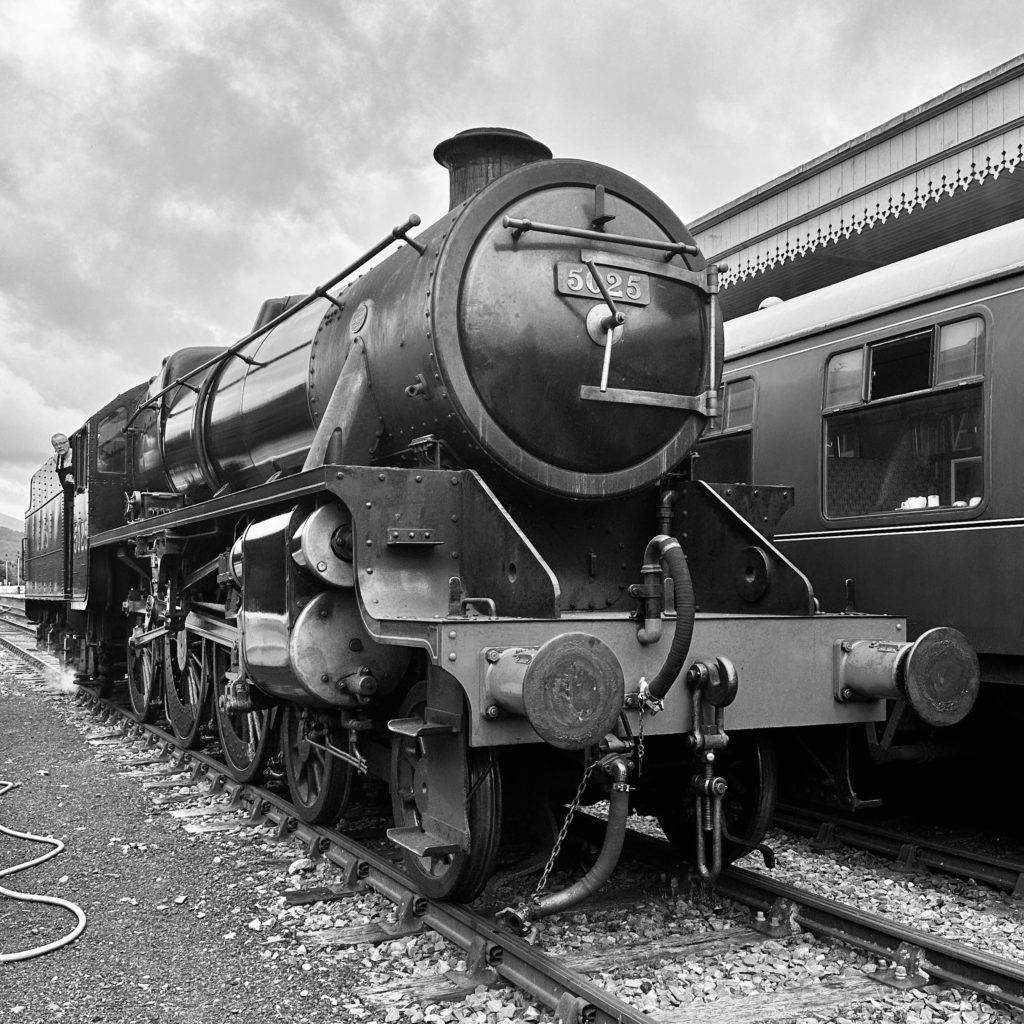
564,831
640,743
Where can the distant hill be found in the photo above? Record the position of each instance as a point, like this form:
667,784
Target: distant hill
11,523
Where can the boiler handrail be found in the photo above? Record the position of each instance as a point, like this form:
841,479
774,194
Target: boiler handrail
397,233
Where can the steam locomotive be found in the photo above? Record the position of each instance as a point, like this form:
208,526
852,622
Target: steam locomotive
433,524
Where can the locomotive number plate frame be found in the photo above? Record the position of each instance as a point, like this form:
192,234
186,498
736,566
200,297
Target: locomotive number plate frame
623,285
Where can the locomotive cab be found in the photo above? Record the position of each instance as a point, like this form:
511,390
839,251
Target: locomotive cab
67,591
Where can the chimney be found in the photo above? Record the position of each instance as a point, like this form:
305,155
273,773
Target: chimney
477,156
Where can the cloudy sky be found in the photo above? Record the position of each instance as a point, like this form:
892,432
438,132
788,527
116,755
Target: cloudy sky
168,164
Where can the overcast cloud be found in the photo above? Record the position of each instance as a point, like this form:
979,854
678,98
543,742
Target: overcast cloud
168,164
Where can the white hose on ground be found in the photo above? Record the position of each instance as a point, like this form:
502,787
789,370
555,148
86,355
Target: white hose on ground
27,897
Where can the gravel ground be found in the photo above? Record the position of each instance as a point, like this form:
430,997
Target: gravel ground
192,927
181,927
957,909
167,936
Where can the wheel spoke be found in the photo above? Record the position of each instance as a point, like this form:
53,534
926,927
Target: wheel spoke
316,773
191,693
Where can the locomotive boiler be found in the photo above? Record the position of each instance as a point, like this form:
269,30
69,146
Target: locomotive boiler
431,524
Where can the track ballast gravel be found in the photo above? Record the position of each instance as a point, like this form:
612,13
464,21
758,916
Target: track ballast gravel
168,936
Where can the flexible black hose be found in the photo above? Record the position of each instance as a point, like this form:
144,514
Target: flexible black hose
669,551
611,850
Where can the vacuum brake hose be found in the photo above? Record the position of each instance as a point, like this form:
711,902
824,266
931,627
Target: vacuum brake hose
668,550
611,850
27,897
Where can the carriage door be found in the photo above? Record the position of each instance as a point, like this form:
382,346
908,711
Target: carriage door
77,516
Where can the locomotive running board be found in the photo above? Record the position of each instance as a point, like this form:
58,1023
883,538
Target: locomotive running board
455,506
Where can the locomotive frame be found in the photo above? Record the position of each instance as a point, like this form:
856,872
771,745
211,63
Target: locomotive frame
368,539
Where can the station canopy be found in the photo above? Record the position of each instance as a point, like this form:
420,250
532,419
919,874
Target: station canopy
942,171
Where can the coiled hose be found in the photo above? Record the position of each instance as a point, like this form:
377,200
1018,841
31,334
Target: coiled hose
668,550
27,897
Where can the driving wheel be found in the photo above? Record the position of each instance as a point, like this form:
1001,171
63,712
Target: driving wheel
190,662
418,778
144,670
319,783
247,737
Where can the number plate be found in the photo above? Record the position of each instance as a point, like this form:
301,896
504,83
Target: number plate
623,286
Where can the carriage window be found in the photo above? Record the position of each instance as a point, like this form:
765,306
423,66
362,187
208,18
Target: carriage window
739,404
914,442
844,378
724,460
899,367
726,456
960,351
735,406
110,442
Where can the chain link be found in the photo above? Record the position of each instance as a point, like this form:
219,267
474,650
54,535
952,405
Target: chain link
573,808
640,744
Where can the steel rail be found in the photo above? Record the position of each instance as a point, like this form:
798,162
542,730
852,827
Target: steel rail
910,852
985,973
13,604
49,669
18,622
991,976
487,944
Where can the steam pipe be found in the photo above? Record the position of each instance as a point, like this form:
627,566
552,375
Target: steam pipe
666,510
669,551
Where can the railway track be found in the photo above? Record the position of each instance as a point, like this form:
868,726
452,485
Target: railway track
909,853
917,952
492,953
17,635
13,619
494,956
